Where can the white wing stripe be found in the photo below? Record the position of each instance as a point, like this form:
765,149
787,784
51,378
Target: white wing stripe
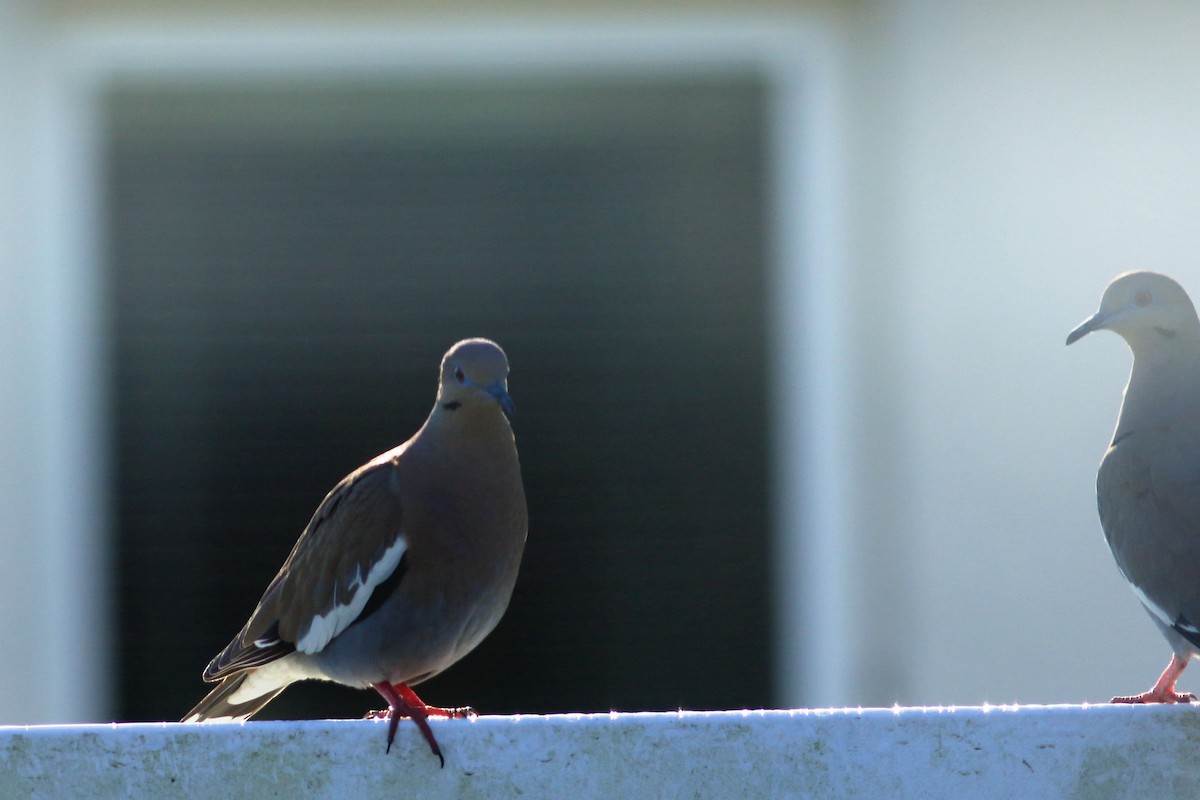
1154,608
321,629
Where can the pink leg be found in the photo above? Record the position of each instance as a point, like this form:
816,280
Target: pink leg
1164,690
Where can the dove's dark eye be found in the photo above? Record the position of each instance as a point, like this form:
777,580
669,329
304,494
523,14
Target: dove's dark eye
459,375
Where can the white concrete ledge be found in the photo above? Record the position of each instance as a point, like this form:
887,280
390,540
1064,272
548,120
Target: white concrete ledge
990,752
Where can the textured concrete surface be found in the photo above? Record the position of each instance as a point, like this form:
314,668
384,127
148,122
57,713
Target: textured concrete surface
989,752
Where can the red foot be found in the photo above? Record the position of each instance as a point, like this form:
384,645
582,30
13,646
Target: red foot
403,702
462,712
1164,690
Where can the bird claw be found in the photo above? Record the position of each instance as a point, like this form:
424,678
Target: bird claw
421,718
403,702
1163,690
1152,696
462,712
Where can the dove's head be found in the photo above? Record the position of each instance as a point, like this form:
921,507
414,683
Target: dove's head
474,373
1149,310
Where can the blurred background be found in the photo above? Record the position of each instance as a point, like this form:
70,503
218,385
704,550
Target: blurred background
784,287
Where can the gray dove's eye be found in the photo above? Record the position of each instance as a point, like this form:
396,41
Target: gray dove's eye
459,375
1142,299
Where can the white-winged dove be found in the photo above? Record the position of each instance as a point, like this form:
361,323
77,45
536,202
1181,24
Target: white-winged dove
407,564
1148,487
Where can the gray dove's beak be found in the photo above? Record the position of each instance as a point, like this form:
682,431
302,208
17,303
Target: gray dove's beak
500,392
1092,323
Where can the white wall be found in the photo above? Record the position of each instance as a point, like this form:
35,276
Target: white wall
1036,150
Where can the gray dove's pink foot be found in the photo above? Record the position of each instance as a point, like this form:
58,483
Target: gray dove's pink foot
1152,696
1164,690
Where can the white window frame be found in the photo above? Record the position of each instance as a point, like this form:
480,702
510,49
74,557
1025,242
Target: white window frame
797,55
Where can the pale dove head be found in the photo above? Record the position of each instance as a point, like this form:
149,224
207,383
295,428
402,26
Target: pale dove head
1149,310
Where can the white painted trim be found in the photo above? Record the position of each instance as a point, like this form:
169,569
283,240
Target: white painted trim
68,671
74,451
810,403
796,52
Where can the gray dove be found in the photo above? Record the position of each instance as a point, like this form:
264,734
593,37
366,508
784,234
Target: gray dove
1148,487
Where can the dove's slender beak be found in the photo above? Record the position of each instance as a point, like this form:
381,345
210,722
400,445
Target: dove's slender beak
1092,323
500,392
